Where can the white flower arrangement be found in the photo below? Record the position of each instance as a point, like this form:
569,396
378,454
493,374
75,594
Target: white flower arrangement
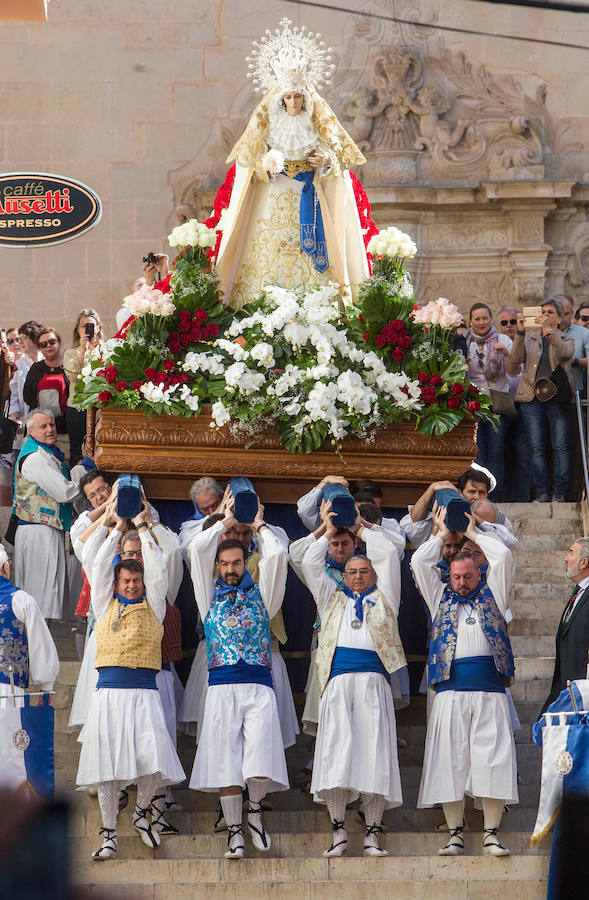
273,162
438,312
147,301
192,234
393,243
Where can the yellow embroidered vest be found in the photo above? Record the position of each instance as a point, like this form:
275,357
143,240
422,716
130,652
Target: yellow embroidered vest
138,644
381,623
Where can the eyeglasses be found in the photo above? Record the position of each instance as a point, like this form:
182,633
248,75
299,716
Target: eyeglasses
50,343
101,490
128,554
505,322
584,318
12,340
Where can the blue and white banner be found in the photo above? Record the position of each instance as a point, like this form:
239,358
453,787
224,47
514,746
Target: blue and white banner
26,745
563,734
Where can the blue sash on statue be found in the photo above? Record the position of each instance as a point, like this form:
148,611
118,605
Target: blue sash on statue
473,673
351,659
312,235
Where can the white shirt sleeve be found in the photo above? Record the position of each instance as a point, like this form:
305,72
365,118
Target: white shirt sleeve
501,532
14,398
202,554
273,570
296,552
90,549
395,538
77,530
308,509
417,532
43,659
170,547
427,576
392,525
155,575
278,532
41,471
316,578
188,530
499,573
102,579
385,562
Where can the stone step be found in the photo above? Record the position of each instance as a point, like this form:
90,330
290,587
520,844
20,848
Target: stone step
542,627
532,645
531,511
293,845
529,525
166,875
539,573
555,545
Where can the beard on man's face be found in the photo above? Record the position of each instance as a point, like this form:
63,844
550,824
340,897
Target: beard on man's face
231,578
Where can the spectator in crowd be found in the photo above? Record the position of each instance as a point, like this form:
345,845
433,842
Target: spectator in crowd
46,384
13,343
125,738
241,741
582,315
359,648
474,484
543,352
469,742
42,502
86,337
580,336
29,354
517,475
488,352
572,636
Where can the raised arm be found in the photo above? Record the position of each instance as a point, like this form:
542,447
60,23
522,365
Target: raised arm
202,552
296,552
385,561
170,547
424,564
308,505
500,572
273,566
101,577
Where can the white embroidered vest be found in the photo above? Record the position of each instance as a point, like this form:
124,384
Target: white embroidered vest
381,623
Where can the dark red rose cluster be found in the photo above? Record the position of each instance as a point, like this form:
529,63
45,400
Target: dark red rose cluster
393,335
454,394
191,330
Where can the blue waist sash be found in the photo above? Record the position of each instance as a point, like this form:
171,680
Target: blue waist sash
121,677
474,673
312,235
240,673
350,659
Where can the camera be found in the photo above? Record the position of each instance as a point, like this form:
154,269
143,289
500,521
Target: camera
151,259
89,329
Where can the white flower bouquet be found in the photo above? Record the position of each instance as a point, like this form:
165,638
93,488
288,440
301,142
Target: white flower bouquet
438,312
192,234
149,302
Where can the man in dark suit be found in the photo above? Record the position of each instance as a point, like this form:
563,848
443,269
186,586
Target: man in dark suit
572,637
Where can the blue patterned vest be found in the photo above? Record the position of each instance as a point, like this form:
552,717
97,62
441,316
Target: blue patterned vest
14,649
237,629
443,639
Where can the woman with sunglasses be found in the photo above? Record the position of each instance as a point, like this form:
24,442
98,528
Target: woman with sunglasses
488,352
47,385
87,336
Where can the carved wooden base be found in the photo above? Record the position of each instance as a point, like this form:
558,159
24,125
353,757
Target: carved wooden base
169,452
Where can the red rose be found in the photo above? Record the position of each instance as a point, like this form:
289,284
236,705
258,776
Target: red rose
176,348
473,405
183,378
169,364
361,318
184,315
397,325
453,402
427,391
398,354
473,389
380,340
200,316
213,330
196,333
173,336
185,339
422,377
405,342
388,331
121,386
105,397
137,385
162,378
184,326
435,380
111,370
175,379
100,373
149,372
365,336
458,389
110,379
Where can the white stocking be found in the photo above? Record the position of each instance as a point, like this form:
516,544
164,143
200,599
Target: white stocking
232,806
373,809
108,800
492,812
147,785
454,813
257,789
337,800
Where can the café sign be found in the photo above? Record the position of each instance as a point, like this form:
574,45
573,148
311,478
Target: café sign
37,209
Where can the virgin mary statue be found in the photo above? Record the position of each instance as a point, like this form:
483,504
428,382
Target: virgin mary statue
292,217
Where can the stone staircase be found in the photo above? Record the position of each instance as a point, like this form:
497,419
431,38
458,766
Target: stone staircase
192,865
